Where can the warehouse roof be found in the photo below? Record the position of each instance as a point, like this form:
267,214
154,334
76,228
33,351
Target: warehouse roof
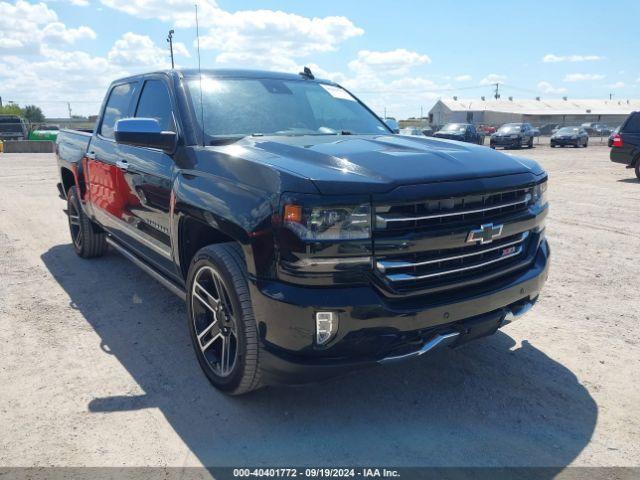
545,107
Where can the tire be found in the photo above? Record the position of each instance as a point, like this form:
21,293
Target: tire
87,238
586,143
221,319
638,168
530,144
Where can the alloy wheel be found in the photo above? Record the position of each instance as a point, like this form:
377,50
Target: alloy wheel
214,321
74,224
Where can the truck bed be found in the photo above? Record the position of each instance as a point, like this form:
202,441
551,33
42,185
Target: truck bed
72,145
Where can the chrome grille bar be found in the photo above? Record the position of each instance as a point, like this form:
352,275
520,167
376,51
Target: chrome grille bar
384,265
405,277
524,200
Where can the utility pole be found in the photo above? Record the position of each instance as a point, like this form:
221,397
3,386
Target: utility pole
170,41
611,96
69,108
497,93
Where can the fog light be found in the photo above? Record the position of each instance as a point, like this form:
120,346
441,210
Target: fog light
326,326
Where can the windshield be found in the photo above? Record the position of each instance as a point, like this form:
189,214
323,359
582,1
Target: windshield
454,127
509,129
569,130
245,106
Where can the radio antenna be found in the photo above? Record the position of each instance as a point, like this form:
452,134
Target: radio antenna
200,75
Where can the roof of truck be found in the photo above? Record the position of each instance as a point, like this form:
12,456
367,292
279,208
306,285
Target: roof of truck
228,72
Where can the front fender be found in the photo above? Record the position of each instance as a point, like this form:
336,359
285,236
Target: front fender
240,212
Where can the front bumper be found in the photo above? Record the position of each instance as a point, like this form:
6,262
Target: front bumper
564,141
505,142
375,330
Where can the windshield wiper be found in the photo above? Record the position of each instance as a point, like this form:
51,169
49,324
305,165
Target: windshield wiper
225,139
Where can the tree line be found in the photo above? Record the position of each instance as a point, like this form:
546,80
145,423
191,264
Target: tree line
32,113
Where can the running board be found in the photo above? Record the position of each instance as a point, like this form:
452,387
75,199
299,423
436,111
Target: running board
148,269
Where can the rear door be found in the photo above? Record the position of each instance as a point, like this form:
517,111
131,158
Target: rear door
147,174
104,179
630,133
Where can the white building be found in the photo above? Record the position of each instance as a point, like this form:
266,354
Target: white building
536,112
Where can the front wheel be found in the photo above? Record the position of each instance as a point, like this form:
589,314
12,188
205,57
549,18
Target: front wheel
221,322
530,144
88,240
638,168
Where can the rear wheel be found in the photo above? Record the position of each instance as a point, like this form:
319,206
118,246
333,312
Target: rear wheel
221,322
638,168
88,240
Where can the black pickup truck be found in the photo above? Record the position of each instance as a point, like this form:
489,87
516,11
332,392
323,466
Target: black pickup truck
307,239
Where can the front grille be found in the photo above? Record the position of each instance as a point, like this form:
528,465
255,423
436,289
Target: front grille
452,211
449,265
429,264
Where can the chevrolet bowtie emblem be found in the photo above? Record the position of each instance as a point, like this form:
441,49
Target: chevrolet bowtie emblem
485,234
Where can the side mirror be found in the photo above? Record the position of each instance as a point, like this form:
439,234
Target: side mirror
144,132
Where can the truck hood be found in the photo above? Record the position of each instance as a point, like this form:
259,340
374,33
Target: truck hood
376,164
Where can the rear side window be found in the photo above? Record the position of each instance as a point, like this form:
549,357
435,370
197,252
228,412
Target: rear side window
117,107
633,124
156,103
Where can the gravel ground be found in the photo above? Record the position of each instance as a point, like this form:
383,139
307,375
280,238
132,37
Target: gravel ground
96,366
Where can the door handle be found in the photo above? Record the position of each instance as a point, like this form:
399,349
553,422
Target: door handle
91,155
122,165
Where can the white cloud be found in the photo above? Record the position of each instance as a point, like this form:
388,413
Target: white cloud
79,3
139,51
396,62
255,38
582,77
25,26
546,87
463,78
551,58
493,78
62,76
617,85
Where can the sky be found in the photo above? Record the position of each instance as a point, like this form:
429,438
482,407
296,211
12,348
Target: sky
398,57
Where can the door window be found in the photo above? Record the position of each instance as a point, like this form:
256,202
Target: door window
156,103
117,107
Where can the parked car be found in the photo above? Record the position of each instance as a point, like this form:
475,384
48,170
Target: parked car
513,135
536,131
612,135
392,123
625,145
427,131
415,131
597,129
278,220
548,128
463,132
486,129
13,127
576,136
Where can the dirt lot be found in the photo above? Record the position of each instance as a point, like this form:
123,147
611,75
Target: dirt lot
96,367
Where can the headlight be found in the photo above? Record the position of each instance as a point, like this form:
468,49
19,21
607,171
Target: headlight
539,195
329,223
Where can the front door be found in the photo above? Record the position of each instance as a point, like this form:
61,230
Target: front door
148,175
